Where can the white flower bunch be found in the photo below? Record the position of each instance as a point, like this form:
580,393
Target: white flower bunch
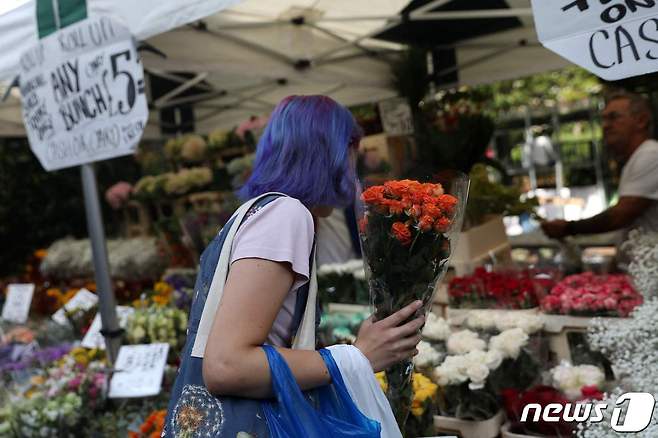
630,344
130,259
436,328
351,267
602,429
504,320
473,366
643,249
464,341
509,343
427,355
484,320
570,379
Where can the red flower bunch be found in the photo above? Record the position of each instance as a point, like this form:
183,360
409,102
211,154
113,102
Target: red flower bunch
514,402
420,206
589,294
482,289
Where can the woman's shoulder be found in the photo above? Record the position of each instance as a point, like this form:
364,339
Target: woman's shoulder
285,208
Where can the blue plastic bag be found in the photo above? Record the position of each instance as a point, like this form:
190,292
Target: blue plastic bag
328,411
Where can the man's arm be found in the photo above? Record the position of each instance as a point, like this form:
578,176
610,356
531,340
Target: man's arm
621,215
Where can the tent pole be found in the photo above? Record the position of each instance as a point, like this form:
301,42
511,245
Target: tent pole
106,301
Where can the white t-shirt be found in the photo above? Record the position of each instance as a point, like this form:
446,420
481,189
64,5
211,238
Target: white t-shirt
281,231
639,178
334,243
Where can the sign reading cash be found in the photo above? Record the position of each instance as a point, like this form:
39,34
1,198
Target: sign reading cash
613,39
83,94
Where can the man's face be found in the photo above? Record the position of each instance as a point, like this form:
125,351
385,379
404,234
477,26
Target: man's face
620,126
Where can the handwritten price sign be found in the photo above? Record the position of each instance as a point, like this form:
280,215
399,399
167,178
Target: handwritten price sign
613,39
83,94
140,369
17,305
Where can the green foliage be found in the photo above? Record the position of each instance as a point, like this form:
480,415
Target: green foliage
486,197
560,87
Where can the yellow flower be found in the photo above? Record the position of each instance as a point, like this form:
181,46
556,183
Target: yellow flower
381,378
37,380
163,288
140,304
40,254
161,300
424,389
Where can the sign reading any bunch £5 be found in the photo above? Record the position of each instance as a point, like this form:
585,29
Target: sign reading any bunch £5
613,39
83,94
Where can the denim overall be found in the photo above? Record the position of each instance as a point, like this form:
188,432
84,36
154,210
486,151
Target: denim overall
193,411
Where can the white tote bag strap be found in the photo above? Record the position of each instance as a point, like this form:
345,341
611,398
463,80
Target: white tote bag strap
305,337
219,278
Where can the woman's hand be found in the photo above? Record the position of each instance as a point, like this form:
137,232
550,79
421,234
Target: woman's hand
386,342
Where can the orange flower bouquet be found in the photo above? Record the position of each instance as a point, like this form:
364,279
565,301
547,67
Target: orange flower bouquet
407,231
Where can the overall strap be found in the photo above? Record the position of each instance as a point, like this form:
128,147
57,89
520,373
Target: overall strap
219,277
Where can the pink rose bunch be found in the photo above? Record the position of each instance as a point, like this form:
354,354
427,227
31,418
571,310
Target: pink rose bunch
588,294
118,194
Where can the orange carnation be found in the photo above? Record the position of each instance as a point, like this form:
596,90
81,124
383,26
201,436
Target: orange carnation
401,232
442,225
415,211
425,223
373,195
447,203
395,207
431,210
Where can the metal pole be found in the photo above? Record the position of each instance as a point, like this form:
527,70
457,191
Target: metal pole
106,302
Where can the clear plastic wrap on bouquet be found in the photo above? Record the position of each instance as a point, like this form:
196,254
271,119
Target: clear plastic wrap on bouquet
408,229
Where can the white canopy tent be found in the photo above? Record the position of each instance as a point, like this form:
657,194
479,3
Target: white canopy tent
243,60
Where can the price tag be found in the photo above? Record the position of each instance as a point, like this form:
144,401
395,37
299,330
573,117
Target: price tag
140,369
17,304
93,337
83,300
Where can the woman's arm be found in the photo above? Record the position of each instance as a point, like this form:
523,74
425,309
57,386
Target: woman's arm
234,362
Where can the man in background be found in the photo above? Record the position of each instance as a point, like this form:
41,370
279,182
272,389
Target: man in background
627,129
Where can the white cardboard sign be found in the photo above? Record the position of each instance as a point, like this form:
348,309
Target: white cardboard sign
140,369
18,301
396,116
83,94
612,39
93,337
83,299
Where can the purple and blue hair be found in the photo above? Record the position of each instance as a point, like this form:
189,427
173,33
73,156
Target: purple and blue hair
304,152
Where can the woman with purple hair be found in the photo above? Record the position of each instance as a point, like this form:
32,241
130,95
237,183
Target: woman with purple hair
261,267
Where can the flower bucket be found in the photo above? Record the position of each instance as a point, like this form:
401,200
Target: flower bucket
470,429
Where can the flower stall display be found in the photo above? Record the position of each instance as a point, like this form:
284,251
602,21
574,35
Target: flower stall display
157,323
643,268
588,294
543,395
407,230
501,320
423,405
343,283
475,372
130,259
118,194
497,290
578,382
339,327
436,329
152,426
